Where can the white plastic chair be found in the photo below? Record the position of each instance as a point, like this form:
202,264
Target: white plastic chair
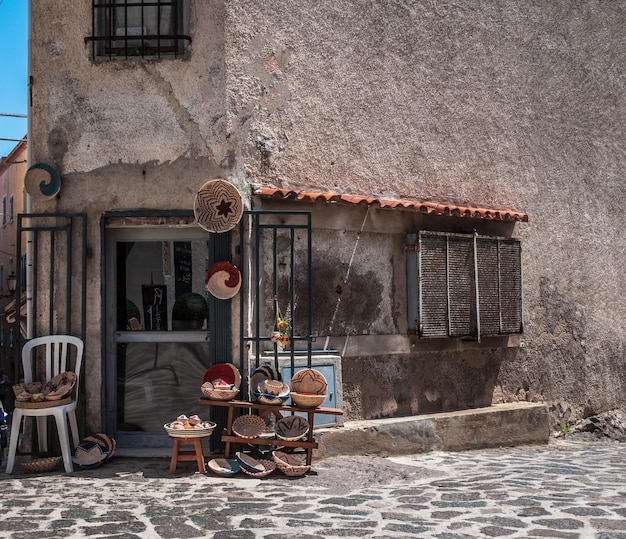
58,356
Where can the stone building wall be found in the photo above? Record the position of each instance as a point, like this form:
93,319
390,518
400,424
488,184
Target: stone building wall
517,104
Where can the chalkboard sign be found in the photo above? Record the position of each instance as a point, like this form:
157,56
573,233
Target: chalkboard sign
154,306
182,267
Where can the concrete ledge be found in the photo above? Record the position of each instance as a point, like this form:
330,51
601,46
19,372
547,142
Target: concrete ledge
499,425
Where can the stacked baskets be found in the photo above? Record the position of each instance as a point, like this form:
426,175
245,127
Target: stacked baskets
308,388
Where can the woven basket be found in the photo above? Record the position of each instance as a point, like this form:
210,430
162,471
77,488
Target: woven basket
217,394
104,440
46,464
249,426
292,428
44,404
224,371
224,467
250,465
272,387
196,432
270,399
305,400
290,465
309,381
269,466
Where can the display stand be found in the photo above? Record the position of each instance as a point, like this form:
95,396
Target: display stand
179,454
308,443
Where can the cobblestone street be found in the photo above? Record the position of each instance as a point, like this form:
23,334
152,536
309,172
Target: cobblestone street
565,490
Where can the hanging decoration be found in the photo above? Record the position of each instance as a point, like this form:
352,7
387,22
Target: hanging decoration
282,326
223,280
42,181
218,206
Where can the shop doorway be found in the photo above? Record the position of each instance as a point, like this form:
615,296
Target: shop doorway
154,360
158,337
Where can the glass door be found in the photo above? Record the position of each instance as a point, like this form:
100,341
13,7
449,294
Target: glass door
157,330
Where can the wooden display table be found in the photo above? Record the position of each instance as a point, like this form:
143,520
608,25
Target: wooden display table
308,443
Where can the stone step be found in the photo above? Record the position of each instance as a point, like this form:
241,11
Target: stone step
501,425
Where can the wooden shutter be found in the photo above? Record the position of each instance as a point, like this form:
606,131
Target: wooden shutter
432,279
468,285
511,296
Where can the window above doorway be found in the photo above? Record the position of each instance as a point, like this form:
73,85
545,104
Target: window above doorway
124,29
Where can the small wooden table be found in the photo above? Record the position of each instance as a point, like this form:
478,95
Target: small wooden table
187,454
308,444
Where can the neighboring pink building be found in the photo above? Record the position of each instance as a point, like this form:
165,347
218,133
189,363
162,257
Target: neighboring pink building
12,171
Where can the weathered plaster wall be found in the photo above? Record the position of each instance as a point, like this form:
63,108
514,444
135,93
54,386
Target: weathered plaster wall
513,104
504,104
124,135
403,385
360,310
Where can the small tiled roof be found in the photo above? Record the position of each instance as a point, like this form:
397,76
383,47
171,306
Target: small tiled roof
424,207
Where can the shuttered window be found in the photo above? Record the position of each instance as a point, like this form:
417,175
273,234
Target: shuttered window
464,286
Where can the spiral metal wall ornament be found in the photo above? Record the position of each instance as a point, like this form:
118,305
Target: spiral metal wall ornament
42,181
218,206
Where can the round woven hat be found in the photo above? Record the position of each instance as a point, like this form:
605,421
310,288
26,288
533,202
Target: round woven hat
104,440
223,280
218,206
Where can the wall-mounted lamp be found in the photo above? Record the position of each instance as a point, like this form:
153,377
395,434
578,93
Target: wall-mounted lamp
12,283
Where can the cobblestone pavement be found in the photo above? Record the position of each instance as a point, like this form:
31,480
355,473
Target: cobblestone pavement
567,489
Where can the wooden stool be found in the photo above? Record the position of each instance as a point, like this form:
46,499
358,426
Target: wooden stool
187,455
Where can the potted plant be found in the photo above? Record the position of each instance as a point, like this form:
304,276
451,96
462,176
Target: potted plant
189,312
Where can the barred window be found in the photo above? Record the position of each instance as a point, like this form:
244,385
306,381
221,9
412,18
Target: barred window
463,285
128,28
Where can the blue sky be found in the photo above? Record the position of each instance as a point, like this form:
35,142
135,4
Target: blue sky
13,71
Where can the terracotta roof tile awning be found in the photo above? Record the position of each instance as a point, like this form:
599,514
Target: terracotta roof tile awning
424,207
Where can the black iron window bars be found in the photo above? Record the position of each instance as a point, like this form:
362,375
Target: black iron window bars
124,29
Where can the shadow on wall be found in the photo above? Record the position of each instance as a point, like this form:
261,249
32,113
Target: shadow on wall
405,385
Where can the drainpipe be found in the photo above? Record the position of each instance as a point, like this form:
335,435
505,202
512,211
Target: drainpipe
28,203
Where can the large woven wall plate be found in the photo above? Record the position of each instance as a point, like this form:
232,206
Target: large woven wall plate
218,206
223,280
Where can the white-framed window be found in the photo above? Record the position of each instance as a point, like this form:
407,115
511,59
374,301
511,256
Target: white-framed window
143,28
464,285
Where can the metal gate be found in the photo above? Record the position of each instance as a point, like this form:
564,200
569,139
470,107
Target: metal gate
50,293
275,257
